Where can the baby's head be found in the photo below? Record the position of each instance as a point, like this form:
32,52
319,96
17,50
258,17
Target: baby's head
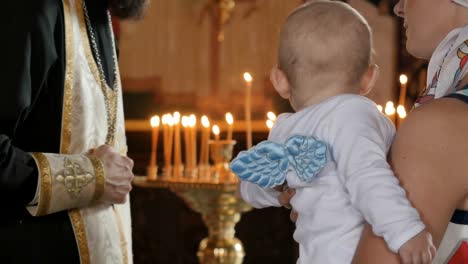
325,50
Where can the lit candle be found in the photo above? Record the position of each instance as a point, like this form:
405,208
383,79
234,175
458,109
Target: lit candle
269,124
390,111
177,146
271,116
185,125
168,123
164,126
216,132
193,140
165,136
215,155
154,146
230,122
248,112
403,83
204,148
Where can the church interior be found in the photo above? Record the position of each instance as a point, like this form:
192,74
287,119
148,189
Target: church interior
195,78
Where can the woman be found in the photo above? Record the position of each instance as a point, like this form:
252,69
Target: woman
430,150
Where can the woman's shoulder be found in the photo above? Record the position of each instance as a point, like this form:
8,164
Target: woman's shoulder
431,143
441,117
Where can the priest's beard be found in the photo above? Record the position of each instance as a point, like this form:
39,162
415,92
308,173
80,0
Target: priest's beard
128,8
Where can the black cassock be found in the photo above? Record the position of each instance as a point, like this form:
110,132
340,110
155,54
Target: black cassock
32,75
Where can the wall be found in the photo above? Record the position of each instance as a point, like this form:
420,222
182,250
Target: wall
173,42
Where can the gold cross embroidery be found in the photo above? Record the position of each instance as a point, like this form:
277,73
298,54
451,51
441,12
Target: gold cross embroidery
74,178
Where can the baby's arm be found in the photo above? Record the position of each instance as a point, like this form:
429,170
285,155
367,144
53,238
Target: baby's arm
257,196
359,137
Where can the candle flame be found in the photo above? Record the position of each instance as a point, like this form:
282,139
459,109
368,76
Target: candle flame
247,77
185,121
205,121
216,130
270,123
271,116
401,111
389,108
192,120
155,121
170,120
403,79
380,108
229,118
176,116
164,119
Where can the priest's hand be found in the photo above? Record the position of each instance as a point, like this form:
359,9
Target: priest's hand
118,174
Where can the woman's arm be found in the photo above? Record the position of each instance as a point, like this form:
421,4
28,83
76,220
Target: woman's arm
429,155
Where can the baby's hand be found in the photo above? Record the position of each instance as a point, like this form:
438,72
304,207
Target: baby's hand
418,250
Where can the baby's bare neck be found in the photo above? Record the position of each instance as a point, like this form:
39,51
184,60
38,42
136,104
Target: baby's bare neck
315,95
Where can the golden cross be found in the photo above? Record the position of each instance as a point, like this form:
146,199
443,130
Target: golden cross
220,12
74,178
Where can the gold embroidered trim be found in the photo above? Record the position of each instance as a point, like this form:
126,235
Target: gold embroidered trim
75,216
45,178
100,178
68,87
123,241
80,235
110,95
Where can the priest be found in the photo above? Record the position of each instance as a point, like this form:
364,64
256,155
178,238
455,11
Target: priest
64,174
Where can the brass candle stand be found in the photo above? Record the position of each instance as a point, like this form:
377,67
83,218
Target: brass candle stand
212,193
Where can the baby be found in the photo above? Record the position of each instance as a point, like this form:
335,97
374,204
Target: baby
333,150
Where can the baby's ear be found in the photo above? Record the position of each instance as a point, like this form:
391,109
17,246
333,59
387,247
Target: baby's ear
280,82
369,79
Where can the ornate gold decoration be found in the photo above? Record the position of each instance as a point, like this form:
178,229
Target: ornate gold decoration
220,210
68,86
75,216
221,154
45,194
74,178
100,178
80,235
110,95
216,201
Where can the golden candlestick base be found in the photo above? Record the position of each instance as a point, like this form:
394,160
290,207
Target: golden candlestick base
215,199
220,210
